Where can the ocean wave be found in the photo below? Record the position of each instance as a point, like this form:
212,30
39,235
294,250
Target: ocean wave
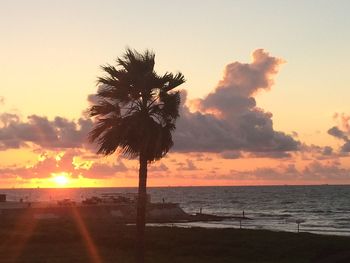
275,216
326,209
287,202
309,211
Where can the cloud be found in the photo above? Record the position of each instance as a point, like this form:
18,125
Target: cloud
158,168
57,133
336,132
327,150
329,171
314,172
240,83
101,170
228,119
92,99
272,154
343,119
345,148
231,155
311,152
42,169
188,166
341,131
65,163
8,118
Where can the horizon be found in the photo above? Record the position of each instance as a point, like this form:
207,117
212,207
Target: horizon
173,186
265,102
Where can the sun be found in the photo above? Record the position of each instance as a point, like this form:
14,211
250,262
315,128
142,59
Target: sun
61,179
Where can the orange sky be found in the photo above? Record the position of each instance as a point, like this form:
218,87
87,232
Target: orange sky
265,102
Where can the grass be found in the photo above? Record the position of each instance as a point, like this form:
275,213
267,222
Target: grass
65,240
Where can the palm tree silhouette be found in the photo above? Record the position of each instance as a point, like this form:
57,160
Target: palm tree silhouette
135,113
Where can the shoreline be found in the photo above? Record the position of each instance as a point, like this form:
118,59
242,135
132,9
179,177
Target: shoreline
322,207
217,225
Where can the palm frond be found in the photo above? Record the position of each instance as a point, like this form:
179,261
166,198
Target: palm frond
135,112
173,81
103,108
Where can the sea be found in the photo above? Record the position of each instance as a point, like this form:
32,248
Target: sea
323,209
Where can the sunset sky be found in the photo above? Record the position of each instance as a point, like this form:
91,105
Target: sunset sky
266,99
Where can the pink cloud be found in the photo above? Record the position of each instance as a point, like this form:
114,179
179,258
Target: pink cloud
58,133
65,163
341,131
227,119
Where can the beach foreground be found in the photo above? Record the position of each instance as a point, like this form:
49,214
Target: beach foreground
78,240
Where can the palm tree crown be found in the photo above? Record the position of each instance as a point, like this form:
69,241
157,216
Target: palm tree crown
136,109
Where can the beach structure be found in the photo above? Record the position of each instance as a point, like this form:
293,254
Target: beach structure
2,198
120,207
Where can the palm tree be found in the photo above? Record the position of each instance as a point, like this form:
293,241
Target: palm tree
135,113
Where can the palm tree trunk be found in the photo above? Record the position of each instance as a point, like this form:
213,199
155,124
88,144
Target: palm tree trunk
141,210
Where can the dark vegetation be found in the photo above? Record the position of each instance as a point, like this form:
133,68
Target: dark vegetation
73,240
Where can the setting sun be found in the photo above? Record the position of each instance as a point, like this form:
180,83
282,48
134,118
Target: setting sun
61,179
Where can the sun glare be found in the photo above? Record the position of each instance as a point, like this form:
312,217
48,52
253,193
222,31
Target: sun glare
61,179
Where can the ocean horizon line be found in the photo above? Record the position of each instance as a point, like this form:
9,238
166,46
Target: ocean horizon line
175,186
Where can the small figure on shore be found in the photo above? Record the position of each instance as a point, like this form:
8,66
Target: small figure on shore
243,213
200,210
163,200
